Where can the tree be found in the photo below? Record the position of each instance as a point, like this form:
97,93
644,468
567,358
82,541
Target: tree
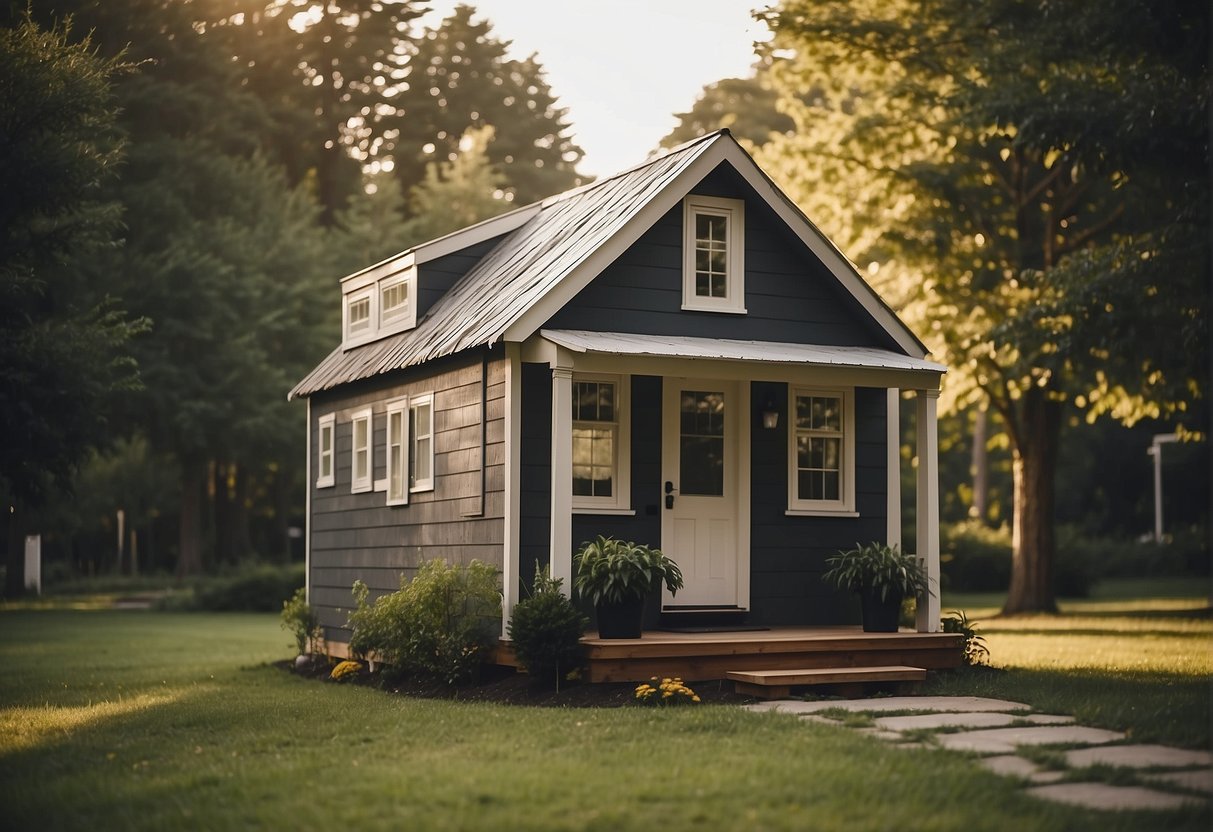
747,106
1045,166
63,345
459,79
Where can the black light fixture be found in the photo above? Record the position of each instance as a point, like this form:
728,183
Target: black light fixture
770,414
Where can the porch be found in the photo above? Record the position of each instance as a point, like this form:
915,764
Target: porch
701,656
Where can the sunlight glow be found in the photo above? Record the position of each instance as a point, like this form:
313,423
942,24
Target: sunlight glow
25,728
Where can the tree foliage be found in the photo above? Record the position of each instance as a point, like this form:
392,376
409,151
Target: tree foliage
748,107
1044,172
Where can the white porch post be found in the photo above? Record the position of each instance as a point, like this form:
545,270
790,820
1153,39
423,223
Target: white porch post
893,465
562,475
513,478
927,522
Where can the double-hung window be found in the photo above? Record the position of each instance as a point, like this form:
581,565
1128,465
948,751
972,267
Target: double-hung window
326,430
359,323
360,452
421,446
600,444
822,457
393,300
713,248
397,453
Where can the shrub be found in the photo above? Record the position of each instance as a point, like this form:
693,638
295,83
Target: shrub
975,650
259,588
546,630
302,622
438,625
345,670
975,558
665,693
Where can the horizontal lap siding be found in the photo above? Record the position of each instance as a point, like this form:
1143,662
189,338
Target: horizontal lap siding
358,536
788,554
790,295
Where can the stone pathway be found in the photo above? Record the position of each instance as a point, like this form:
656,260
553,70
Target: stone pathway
998,731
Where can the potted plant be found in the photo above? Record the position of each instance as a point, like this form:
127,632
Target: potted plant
616,576
883,576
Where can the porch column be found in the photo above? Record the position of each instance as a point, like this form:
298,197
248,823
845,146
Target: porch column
927,522
561,551
893,466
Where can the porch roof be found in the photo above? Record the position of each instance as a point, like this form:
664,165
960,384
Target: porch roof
766,352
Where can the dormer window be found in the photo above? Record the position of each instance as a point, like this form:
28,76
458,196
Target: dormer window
358,316
378,303
713,249
393,300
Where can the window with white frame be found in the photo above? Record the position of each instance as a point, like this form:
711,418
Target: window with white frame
358,319
821,470
421,444
397,453
326,429
600,442
393,300
360,452
713,250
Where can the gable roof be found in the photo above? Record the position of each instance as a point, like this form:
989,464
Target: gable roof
554,248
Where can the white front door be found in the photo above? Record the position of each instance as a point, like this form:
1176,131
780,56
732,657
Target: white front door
702,421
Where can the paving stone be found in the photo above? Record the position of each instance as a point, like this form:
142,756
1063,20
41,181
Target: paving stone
972,719
1006,740
1200,780
1103,796
820,720
877,733
1139,756
944,704
1048,719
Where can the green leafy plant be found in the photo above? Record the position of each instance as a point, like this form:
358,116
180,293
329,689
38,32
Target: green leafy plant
975,650
613,571
878,567
665,693
546,630
439,625
302,622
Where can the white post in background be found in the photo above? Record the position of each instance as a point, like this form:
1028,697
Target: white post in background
927,521
1155,451
513,477
562,477
893,487
33,562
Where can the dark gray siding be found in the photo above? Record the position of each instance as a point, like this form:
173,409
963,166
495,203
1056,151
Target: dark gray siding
535,476
357,536
437,276
787,554
790,295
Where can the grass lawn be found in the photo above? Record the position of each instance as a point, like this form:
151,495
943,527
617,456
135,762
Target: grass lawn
135,720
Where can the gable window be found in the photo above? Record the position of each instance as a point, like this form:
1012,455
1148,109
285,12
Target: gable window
713,248
421,446
821,469
397,453
358,316
393,300
325,476
600,442
360,452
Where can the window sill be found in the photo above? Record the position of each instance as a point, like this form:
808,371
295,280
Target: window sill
820,512
417,489
360,489
727,310
622,512
325,483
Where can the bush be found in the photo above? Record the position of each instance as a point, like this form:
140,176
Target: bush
439,625
975,558
262,588
546,630
302,622
975,650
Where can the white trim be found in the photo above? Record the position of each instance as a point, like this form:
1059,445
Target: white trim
307,508
359,484
717,150
805,512
733,211
622,512
512,499
845,504
362,336
419,484
326,422
405,316
400,408
893,466
926,520
621,497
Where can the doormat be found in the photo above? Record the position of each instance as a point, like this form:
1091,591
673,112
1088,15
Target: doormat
720,628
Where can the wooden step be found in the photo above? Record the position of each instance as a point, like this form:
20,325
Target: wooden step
778,684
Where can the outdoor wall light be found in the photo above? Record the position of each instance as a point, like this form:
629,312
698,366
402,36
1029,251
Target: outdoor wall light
770,415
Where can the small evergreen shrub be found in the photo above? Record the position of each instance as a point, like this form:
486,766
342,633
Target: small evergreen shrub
439,625
546,630
302,622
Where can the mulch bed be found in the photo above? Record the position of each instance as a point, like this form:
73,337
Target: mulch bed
505,686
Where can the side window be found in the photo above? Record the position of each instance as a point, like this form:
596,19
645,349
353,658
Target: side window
325,475
821,465
421,446
713,271
360,452
397,453
600,443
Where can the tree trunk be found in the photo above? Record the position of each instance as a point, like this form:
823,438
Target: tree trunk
1033,467
189,554
980,467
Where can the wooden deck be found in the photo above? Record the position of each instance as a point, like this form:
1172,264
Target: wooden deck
704,656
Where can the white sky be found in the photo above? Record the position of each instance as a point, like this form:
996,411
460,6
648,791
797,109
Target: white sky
624,67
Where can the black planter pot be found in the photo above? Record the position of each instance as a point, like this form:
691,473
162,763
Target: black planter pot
880,615
621,620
